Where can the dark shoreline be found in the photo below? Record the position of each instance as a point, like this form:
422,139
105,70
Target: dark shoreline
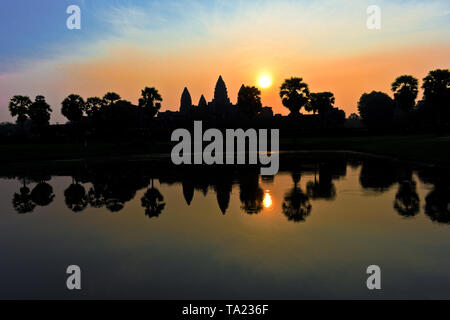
420,150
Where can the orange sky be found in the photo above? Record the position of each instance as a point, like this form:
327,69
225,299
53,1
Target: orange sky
347,77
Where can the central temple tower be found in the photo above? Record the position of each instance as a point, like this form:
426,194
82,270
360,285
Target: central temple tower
221,103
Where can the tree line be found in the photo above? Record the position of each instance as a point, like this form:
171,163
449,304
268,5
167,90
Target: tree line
109,109
377,110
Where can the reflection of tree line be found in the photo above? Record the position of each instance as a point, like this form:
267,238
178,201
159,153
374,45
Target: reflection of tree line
41,195
111,189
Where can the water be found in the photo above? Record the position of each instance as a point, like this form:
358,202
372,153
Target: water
147,230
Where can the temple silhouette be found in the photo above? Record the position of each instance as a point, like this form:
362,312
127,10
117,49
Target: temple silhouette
220,108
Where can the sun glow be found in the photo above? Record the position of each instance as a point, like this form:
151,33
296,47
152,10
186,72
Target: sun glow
265,81
267,202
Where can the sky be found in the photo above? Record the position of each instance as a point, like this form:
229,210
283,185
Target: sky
126,45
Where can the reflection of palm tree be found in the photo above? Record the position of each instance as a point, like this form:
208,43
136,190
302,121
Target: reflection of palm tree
75,197
296,205
324,188
113,190
42,194
437,206
114,204
251,194
96,197
406,200
22,202
153,203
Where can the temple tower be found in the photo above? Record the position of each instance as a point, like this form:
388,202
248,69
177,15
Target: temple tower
202,102
221,93
221,103
186,101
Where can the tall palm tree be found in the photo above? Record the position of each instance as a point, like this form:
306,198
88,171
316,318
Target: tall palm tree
73,107
151,101
405,89
19,106
294,94
111,97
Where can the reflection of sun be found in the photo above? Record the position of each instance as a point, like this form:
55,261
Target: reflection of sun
267,202
265,81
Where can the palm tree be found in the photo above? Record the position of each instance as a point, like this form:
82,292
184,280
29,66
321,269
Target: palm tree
437,94
73,107
39,111
294,94
19,106
405,89
111,97
322,102
150,101
93,105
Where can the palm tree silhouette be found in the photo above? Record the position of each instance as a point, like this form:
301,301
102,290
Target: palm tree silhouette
22,201
296,205
153,203
407,201
42,194
75,197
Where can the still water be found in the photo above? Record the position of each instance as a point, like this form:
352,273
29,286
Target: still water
152,231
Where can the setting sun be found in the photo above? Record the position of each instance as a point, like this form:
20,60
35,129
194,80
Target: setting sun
265,81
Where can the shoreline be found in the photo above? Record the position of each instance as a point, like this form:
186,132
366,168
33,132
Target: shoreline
164,159
421,150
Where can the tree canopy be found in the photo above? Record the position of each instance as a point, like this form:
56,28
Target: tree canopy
322,102
73,107
405,89
19,106
294,94
93,106
376,109
436,95
150,101
111,97
39,111
249,101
